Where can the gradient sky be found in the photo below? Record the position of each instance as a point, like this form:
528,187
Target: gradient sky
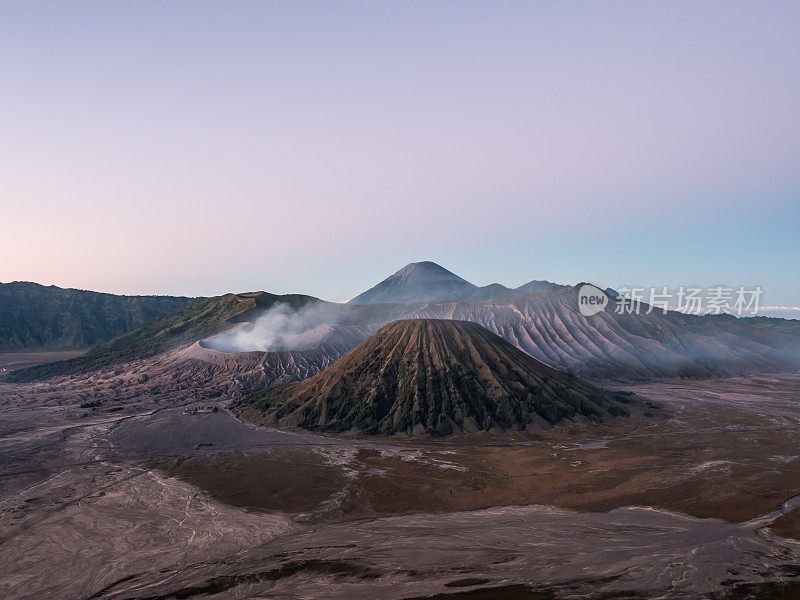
198,148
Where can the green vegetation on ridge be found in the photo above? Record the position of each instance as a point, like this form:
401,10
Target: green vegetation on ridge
36,317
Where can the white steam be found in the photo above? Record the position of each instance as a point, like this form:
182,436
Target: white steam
282,327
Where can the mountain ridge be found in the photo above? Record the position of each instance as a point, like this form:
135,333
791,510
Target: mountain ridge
35,316
196,320
546,325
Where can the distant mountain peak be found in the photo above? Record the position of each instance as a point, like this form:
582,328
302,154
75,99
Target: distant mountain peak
416,282
424,264
428,270
427,281
537,286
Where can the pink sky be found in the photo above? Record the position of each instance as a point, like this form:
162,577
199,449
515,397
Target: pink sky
196,148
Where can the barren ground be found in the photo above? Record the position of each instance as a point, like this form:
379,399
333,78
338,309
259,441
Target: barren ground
136,494
11,361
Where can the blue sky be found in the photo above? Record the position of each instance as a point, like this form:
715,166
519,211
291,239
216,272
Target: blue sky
199,148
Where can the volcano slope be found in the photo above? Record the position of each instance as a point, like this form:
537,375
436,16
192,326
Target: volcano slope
619,345
436,377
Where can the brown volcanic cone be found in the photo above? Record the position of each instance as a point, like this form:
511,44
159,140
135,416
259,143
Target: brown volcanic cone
432,376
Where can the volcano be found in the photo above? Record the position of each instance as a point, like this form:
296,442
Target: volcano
417,282
435,377
425,281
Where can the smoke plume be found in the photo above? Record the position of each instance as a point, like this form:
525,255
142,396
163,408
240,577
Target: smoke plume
282,327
